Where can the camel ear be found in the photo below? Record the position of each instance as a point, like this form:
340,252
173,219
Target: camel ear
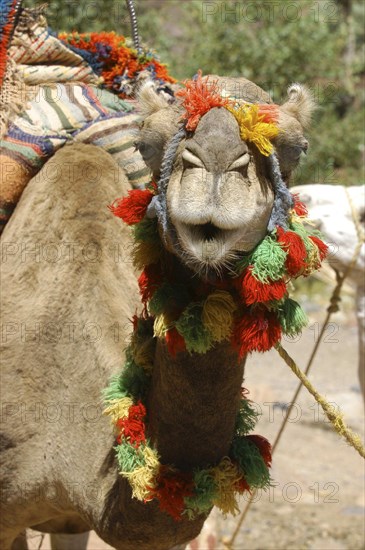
300,104
150,100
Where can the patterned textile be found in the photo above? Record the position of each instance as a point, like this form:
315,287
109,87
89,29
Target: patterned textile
57,111
8,14
55,93
61,113
115,59
116,134
41,56
11,90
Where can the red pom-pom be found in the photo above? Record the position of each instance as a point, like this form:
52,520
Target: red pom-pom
322,247
171,490
259,330
175,342
299,207
132,428
293,244
263,446
149,281
253,291
199,97
242,486
132,209
268,113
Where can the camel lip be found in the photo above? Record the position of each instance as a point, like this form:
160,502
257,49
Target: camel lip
205,233
205,244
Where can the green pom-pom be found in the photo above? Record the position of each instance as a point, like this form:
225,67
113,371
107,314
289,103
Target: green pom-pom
292,317
250,461
134,380
246,418
268,260
146,230
205,492
167,298
129,458
114,390
190,326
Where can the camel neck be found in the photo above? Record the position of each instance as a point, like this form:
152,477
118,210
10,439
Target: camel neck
192,406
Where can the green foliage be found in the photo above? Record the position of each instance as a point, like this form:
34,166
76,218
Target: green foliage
271,43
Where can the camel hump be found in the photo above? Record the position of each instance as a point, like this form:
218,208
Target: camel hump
73,189
84,174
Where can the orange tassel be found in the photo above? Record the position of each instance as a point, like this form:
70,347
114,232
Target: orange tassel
299,207
263,446
242,486
256,331
149,281
253,291
322,247
293,244
133,428
132,209
175,342
269,113
171,490
199,97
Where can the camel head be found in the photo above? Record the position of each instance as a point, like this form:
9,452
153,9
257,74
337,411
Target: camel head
218,187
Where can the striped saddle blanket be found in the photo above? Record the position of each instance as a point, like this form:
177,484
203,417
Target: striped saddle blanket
67,113
52,93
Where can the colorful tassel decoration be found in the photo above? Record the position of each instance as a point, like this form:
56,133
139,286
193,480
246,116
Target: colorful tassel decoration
253,126
258,330
292,243
254,291
132,209
292,317
175,342
199,96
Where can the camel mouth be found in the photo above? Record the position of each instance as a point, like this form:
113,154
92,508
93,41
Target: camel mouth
206,246
208,232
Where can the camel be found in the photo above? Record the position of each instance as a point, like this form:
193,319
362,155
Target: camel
69,293
330,210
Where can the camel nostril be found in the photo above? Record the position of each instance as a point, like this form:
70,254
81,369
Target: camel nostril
305,146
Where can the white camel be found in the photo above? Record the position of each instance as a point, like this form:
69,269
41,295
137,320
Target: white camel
334,209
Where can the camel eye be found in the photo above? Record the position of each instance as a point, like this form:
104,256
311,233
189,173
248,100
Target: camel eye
241,162
191,160
147,151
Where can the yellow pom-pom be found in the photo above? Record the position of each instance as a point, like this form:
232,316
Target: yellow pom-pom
143,351
217,314
118,408
143,479
226,475
159,326
253,128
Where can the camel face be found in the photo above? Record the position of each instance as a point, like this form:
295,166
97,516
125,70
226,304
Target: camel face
219,198
219,194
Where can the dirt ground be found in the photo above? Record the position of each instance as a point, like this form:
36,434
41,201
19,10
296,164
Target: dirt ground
317,501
